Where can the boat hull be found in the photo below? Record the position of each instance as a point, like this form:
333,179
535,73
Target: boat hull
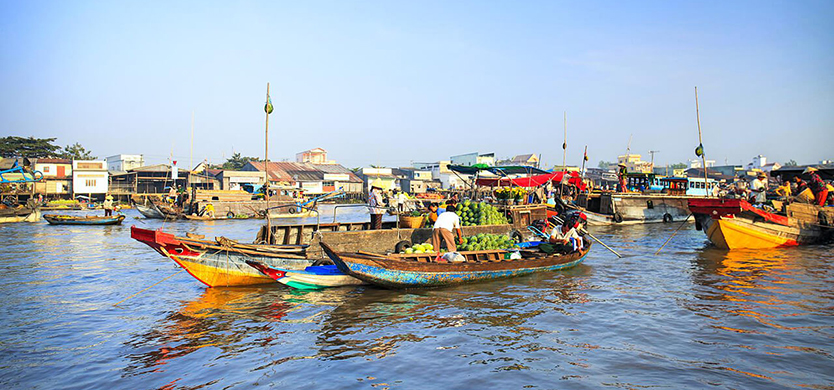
215,267
393,273
149,212
21,216
307,281
736,224
82,221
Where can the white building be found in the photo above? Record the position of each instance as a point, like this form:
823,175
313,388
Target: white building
758,163
124,162
89,177
470,159
696,163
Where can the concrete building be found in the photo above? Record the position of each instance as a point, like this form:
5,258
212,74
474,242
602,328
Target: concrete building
470,159
313,178
57,177
634,163
529,160
696,163
89,177
313,156
124,162
232,180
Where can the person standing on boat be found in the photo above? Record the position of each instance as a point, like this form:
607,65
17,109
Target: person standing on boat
376,207
817,186
108,206
759,188
443,227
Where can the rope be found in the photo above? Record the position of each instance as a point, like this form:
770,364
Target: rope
148,288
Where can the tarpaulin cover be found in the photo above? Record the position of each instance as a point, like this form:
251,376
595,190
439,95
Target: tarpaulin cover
534,181
507,170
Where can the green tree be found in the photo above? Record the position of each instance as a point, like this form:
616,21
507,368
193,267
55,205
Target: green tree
604,164
791,163
77,152
678,166
30,147
237,161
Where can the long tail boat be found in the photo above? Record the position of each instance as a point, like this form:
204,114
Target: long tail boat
222,262
313,277
57,219
420,271
735,224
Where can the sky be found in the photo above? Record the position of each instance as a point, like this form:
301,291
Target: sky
396,82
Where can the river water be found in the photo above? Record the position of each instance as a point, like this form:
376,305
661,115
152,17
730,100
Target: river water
692,317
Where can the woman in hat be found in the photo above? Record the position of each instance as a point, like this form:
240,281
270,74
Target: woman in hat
817,186
108,206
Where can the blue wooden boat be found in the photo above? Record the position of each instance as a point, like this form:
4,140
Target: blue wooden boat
421,271
310,278
58,219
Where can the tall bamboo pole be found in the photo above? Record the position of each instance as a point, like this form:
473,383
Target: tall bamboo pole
266,170
700,143
564,157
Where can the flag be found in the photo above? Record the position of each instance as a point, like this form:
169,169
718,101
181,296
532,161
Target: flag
564,145
699,151
268,105
586,156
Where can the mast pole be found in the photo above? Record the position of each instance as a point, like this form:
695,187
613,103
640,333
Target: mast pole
266,169
564,156
700,142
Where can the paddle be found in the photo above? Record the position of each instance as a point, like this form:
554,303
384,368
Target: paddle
673,234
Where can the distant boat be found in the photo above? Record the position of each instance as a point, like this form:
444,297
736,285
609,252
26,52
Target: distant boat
19,214
419,271
56,219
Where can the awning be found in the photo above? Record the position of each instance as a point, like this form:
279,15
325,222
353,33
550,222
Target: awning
534,181
500,171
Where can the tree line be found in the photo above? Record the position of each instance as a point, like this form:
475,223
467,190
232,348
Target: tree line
31,147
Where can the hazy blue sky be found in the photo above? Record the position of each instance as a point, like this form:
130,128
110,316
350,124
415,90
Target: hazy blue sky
391,82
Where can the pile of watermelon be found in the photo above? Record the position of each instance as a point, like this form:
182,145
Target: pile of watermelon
482,242
479,213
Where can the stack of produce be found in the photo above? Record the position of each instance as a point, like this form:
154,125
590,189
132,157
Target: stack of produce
479,213
420,248
482,242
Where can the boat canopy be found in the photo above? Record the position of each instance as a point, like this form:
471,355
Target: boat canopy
826,172
500,171
534,181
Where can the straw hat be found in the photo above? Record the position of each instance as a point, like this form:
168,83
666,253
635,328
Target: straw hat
109,197
761,174
809,170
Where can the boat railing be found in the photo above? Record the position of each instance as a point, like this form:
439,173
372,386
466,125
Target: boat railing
337,207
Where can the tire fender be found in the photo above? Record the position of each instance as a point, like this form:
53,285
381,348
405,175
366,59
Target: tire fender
401,246
230,215
667,218
516,235
617,217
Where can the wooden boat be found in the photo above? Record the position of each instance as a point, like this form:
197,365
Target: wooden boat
205,218
735,224
419,271
310,278
19,214
57,219
629,208
222,262
149,211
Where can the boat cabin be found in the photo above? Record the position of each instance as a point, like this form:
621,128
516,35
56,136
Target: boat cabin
674,185
696,186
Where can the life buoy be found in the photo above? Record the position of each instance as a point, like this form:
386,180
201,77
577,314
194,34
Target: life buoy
617,217
230,215
401,246
667,217
291,210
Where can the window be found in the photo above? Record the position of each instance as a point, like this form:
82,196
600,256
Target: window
90,182
46,169
328,183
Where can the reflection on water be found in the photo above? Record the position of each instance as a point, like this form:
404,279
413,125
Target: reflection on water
693,317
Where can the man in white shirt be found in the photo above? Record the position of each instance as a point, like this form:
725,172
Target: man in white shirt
376,207
443,227
759,187
566,239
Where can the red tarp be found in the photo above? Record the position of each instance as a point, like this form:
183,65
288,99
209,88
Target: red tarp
534,181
